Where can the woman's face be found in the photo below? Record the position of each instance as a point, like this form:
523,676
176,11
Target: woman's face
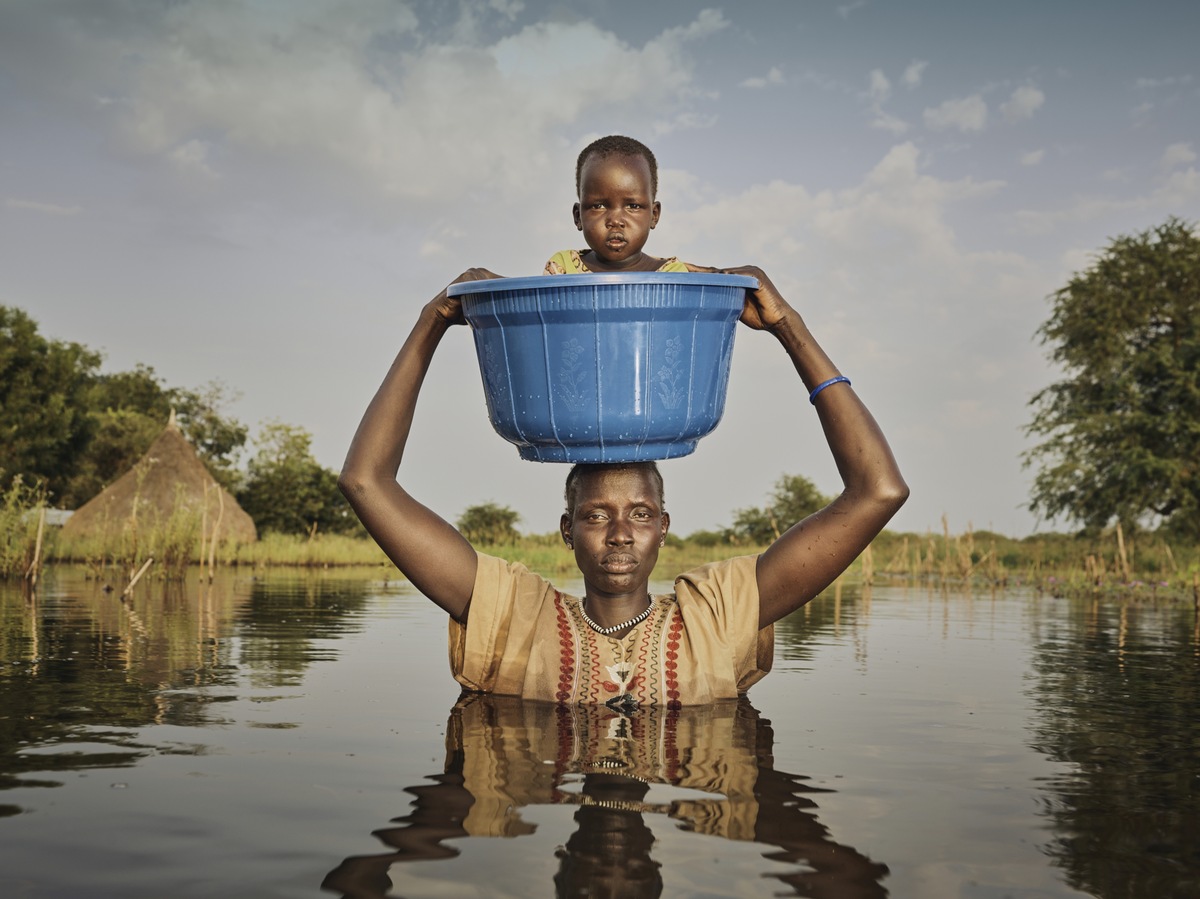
616,529
616,210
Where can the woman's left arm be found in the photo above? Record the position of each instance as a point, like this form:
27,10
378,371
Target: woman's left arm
813,552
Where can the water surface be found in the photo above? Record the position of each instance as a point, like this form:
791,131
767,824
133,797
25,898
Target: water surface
300,736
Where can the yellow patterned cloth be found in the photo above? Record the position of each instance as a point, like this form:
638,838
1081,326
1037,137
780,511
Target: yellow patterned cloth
699,644
570,262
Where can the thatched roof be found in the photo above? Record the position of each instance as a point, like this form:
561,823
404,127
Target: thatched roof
169,478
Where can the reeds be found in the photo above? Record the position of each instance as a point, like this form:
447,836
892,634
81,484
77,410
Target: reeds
22,529
1113,563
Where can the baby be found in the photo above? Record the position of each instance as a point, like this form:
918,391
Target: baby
616,179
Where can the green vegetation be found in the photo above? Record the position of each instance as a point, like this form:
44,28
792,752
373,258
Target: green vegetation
20,510
1121,432
288,492
489,523
73,430
795,497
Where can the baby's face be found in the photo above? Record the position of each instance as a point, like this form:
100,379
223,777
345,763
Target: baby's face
616,211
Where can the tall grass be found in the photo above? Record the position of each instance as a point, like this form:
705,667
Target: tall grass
173,542
21,507
1100,564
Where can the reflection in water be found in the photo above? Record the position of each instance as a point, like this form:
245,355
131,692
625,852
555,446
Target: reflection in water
81,668
714,763
1118,689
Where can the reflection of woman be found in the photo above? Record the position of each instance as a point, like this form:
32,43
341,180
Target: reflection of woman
505,755
512,632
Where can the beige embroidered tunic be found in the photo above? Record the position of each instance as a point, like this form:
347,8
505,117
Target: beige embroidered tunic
700,644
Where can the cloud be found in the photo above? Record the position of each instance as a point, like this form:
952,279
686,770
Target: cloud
193,156
43,208
1023,103
1033,157
967,114
914,72
1177,189
885,121
391,109
1158,83
879,89
845,9
896,216
1176,155
774,76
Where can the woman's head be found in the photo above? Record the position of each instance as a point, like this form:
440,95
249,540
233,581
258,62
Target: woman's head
615,524
585,470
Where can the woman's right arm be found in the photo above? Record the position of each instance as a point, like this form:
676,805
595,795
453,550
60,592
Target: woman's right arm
429,551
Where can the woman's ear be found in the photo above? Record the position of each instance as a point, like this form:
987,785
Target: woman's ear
666,526
575,214
564,528
655,213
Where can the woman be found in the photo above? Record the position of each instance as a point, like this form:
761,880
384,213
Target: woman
512,632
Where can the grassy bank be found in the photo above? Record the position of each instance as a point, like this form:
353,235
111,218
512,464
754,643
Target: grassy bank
1108,564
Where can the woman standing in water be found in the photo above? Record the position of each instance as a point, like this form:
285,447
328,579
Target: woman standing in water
512,632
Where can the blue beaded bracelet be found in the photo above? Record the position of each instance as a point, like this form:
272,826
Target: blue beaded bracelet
840,379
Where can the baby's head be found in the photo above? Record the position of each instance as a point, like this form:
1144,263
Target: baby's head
617,145
616,179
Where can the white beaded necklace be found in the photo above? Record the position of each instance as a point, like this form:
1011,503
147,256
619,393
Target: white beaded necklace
635,620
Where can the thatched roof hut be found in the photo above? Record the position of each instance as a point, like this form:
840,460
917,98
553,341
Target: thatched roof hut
168,480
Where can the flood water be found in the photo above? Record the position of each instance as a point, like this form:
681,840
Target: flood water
300,736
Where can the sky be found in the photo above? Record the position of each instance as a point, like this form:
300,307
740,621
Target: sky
263,193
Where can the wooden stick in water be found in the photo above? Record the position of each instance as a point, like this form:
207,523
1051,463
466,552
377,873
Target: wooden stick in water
137,577
31,575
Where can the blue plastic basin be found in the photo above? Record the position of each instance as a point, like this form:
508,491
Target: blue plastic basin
604,367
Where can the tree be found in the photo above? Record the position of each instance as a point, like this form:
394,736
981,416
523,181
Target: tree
1121,431
217,438
67,426
43,411
795,497
128,410
288,491
489,524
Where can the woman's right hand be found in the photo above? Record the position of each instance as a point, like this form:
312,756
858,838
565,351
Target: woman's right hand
449,309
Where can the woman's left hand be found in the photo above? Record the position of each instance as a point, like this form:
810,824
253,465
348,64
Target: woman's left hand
765,307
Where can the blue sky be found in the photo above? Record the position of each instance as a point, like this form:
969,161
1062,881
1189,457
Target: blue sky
265,193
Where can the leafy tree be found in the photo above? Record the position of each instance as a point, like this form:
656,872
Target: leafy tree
795,497
287,490
489,524
119,438
1121,431
43,411
67,426
217,438
708,538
